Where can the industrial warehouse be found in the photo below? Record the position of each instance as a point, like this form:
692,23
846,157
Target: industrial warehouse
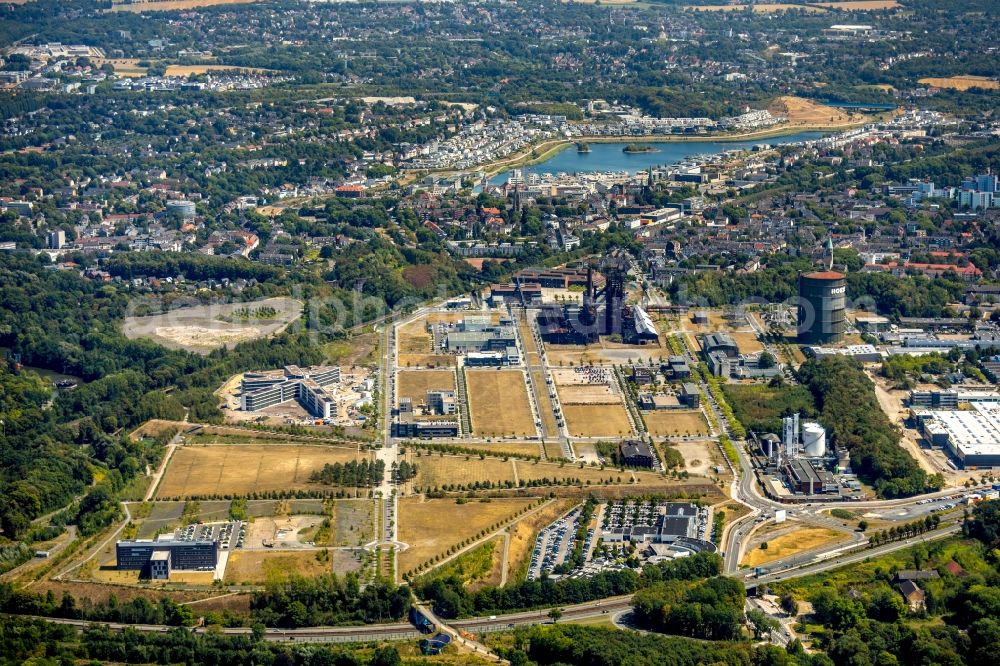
972,436
307,385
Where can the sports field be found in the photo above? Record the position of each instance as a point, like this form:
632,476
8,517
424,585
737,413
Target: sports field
239,470
597,420
431,527
414,384
498,403
675,423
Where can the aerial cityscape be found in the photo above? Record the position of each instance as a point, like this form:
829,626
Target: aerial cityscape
564,332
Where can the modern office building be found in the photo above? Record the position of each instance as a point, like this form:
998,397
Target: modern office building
822,316
307,385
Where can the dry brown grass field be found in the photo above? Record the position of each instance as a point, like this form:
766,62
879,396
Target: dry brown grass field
414,384
436,471
498,403
748,342
426,361
239,470
496,449
672,422
961,82
276,566
431,527
597,420
530,471
173,5
590,394
791,543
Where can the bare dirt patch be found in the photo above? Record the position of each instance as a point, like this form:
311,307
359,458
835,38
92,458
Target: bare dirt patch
203,328
801,111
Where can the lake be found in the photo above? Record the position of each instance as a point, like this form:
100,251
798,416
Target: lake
609,156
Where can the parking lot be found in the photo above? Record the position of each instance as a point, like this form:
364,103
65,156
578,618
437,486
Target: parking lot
554,544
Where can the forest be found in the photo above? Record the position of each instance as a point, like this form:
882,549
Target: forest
849,411
450,598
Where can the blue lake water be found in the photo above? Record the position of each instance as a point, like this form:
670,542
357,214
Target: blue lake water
609,156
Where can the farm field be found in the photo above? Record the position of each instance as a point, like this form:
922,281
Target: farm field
172,5
961,82
251,566
430,527
675,422
239,470
436,471
414,384
498,403
597,420
202,328
791,543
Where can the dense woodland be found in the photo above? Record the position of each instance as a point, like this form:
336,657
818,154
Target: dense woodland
849,410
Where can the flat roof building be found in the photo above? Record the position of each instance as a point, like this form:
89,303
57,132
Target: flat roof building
972,436
307,385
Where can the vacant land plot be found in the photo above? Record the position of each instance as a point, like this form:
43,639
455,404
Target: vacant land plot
275,566
801,111
791,543
698,456
414,384
590,394
961,82
498,403
597,420
431,527
426,361
172,5
203,328
747,342
353,523
497,449
437,471
162,517
675,423
530,471
239,470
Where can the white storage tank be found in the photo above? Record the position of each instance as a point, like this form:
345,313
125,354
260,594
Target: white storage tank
813,440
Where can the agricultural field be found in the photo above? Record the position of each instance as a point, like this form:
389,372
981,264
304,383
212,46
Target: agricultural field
202,328
961,82
240,470
171,5
414,384
675,423
431,527
498,403
597,420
